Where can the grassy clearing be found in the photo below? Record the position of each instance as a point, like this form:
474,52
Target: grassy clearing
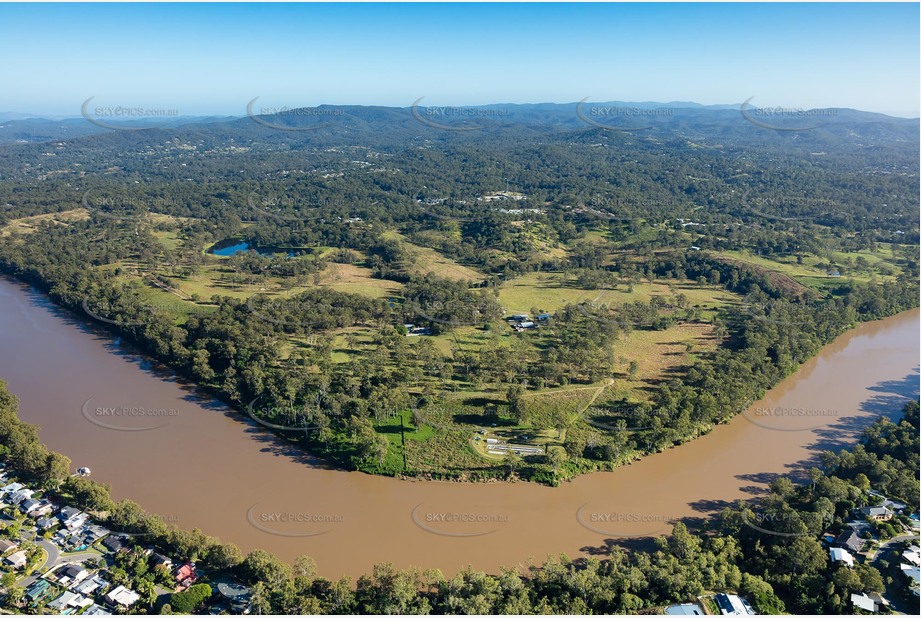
27,225
814,271
391,429
169,239
661,355
357,280
430,261
551,291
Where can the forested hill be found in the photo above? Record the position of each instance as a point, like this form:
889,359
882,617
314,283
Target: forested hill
844,169
379,126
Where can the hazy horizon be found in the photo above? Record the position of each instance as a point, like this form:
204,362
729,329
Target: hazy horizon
211,59
243,113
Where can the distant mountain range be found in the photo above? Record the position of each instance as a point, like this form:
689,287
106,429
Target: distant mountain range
378,123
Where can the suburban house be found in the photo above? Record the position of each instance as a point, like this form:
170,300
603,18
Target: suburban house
236,595
913,574
841,555
415,331
6,546
69,600
46,523
115,543
17,560
43,509
61,536
72,518
879,599
161,560
71,574
850,541
186,575
17,497
27,506
38,590
91,585
876,513
96,610
912,555
733,605
11,488
864,602
92,533
892,505
684,609
122,596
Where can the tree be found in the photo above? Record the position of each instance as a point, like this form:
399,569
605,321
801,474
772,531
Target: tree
223,556
516,403
762,595
147,591
633,368
187,601
14,596
57,468
8,580
556,457
513,461
89,494
305,571
261,566
381,445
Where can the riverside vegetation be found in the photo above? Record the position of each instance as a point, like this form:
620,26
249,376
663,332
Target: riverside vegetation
682,271
782,569
679,274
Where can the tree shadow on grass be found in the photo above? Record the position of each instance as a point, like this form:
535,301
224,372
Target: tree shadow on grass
482,420
482,402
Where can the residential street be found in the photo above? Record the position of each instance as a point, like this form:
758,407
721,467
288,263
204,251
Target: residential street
55,558
53,554
887,551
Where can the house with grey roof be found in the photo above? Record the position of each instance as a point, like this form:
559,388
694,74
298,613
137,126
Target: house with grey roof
876,513
850,541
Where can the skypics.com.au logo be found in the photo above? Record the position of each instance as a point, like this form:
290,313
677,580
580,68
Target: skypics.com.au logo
286,118
469,522
454,118
128,417
620,118
126,117
790,119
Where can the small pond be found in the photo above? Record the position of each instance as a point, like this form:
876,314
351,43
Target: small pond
232,246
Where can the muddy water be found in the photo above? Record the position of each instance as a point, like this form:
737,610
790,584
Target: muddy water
198,464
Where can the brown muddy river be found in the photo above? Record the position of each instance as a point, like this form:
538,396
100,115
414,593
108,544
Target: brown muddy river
201,465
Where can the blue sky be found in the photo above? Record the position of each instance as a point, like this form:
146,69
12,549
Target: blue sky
214,58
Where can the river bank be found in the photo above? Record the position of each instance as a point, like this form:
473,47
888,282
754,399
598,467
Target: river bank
198,465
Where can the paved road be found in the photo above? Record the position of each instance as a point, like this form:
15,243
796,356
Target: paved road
53,553
55,558
884,547
887,550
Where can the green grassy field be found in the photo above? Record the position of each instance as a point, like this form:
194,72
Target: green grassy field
811,272
550,291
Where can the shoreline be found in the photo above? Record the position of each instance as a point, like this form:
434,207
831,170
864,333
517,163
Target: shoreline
162,369
350,494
